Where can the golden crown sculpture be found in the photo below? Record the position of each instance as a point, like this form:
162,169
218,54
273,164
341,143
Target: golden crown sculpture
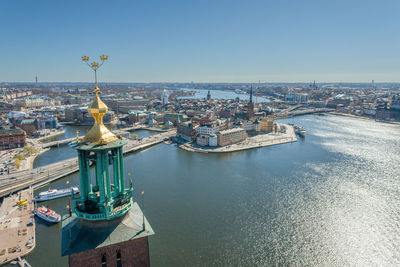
99,134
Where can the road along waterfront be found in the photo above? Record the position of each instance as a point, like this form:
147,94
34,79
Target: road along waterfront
330,199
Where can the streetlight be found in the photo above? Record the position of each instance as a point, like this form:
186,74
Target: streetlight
144,226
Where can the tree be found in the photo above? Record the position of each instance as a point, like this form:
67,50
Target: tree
19,157
17,163
30,150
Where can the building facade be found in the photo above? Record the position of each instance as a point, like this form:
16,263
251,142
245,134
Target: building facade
266,124
187,131
213,140
11,137
164,97
208,129
202,140
231,136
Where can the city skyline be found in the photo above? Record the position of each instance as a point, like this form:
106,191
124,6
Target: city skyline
228,41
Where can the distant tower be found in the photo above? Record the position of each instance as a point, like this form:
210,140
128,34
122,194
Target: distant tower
208,96
36,80
257,91
106,228
164,97
250,106
314,85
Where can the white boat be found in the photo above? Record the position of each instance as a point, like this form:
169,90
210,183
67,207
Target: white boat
299,130
55,193
238,91
47,214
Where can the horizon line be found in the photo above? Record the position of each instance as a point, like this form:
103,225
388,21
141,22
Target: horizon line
192,82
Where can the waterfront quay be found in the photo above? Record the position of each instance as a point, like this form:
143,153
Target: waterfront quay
257,141
17,226
40,176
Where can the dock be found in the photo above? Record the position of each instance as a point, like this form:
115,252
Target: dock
17,227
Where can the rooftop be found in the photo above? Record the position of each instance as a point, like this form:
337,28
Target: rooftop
92,146
79,235
234,130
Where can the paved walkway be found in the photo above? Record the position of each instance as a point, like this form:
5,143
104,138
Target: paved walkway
17,236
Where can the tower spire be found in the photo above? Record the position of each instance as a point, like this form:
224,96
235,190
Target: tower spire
251,94
99,133
104,214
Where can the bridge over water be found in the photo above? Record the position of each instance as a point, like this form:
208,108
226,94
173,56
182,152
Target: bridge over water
298,112
45,174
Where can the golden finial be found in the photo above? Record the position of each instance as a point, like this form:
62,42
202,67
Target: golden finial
96,90
77,136
95,65
99,133
120,133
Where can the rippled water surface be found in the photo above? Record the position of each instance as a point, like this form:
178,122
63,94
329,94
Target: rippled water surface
330,199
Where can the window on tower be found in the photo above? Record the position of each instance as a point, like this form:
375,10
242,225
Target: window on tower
104,261
119,264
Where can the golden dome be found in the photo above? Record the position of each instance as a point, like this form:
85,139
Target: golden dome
99,133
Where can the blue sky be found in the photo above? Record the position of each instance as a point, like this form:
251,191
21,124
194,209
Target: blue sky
201,41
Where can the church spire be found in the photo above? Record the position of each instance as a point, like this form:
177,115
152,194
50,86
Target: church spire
251,94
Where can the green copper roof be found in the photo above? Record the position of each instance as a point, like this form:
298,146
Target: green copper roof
79,235
92,146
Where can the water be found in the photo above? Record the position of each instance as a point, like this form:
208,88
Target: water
221,94
330,199
65,152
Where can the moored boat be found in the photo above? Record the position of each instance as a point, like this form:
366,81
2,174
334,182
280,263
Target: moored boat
47,214
56,193
299,130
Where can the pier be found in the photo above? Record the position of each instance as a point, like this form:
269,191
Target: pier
46,174
17,226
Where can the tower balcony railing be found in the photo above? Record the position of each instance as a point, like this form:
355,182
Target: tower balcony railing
95,215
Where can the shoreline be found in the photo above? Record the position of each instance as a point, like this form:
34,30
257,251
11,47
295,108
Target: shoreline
258,141
362,117
51,135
